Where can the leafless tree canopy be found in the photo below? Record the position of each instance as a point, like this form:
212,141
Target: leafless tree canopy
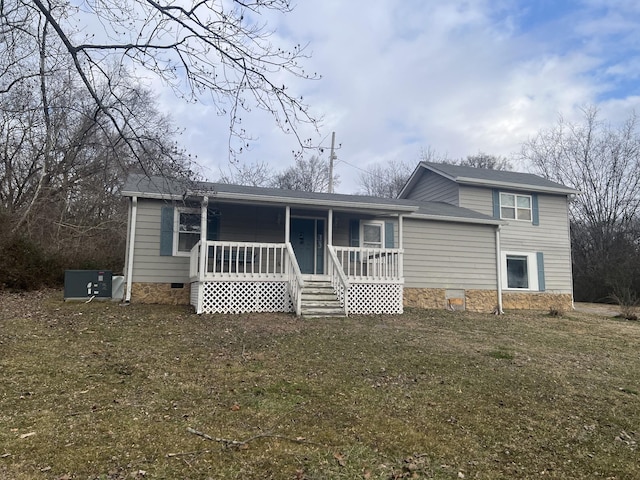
310,175
385,180
75,116
214,50
257,174
603,162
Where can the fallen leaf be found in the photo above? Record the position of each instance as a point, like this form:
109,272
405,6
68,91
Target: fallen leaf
235,407
340,458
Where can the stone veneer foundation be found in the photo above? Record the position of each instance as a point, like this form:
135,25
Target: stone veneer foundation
536,301
487,300
475,300
161,293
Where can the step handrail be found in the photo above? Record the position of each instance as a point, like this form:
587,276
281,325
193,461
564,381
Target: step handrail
338,278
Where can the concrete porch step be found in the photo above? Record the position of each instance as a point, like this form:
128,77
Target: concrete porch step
319,300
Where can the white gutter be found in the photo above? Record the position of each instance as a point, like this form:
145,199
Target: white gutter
516,186
499,270
133,211
156,196
449,218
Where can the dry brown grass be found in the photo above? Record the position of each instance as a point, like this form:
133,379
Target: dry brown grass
99,391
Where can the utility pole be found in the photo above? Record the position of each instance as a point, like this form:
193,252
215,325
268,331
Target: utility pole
332,157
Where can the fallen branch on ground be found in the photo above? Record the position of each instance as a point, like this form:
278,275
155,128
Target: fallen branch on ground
243,443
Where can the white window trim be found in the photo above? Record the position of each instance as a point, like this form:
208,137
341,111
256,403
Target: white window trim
376,223
515,207
176,228
532,270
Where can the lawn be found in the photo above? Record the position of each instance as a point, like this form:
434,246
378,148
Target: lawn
102,391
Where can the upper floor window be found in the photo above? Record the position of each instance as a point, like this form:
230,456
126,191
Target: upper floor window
515,207
187,229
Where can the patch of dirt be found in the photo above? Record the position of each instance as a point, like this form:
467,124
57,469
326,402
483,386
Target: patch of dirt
603,309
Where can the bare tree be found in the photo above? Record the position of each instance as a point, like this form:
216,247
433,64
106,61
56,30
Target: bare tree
484,160
310,175
257,174
602,162
218,51
385,180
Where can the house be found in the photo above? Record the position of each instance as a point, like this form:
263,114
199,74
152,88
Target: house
457,238
532,243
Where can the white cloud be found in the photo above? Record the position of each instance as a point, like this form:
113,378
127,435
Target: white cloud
458,77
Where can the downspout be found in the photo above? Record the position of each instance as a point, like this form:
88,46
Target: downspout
569,199
131,239
499,271
204,250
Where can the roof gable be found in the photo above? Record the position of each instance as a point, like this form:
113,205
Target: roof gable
488,178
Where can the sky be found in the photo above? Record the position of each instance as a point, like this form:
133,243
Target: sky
456,77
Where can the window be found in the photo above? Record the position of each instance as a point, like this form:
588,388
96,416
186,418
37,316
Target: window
517,273
187,229
373,235
520,271
515,207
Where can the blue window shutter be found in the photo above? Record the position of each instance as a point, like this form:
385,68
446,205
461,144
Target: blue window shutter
389,241
540,261
166,231
496,203
535,213
354,233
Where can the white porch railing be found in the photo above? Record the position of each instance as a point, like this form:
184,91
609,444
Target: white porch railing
234,260
371,265
338,279
248,261
294,279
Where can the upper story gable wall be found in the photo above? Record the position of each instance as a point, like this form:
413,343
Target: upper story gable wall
431,187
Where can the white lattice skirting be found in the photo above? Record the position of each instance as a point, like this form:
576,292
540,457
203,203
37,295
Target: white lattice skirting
375,298
243,297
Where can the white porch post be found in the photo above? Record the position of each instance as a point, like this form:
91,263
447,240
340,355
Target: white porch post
203,239
287,223
330,228
401,247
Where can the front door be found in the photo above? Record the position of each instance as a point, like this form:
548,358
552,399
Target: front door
307,240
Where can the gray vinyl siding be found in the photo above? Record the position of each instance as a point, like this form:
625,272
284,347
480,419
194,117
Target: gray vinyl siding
434,188
449,255
251,223
148,265
477,198
551,237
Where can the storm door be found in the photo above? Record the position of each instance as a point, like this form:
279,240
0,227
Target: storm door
307,240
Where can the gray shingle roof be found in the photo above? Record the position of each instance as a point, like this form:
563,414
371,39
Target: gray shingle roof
498,178
163,188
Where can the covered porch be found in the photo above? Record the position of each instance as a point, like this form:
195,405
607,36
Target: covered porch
267,258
